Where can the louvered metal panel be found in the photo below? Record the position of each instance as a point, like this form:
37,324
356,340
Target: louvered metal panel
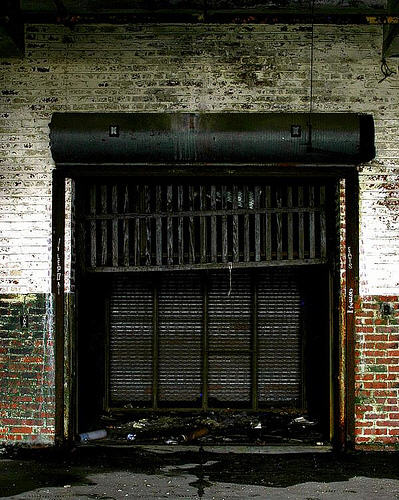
229,331
229,314
280,333
229,379
130,340
239,339
180,323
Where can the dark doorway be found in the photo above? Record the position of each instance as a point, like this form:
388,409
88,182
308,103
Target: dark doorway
218,299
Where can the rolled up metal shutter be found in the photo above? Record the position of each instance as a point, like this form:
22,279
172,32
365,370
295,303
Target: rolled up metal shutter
229,330
174,334
180,333
280,335
130,340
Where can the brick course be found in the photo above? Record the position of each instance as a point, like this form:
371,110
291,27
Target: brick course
27,369
377,372
188,68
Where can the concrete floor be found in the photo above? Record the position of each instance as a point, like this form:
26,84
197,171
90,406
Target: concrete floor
106,472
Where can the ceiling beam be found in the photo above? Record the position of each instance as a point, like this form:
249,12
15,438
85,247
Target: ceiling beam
11,30
202,12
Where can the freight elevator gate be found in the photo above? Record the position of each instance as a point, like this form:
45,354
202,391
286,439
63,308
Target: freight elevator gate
204,295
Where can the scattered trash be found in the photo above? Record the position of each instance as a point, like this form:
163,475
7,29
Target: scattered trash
172,441
269,426
140,424
195,434
302,421
90,436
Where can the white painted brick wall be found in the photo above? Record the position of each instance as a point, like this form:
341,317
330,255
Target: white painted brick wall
188,68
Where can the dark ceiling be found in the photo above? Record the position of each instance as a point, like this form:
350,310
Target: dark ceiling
14,14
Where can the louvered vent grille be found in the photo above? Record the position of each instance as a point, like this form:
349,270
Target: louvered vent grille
279,337
190,339
229,330
130,342
180,336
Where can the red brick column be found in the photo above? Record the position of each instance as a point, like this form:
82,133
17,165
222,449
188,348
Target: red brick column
377,372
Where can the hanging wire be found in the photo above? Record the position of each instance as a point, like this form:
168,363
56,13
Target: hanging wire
230,287
309,144
386,70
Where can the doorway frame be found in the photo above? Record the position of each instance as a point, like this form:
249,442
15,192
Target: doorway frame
344,285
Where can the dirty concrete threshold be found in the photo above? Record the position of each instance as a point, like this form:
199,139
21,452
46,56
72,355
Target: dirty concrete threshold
27,470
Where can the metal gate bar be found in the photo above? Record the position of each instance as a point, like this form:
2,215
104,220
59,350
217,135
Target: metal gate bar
137,227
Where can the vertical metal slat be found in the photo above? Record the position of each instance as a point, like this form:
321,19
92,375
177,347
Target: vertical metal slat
236,249
93,235
246,223
125,228
104,231
191,227
312,235
147,201
268,224
301,226
213,225
290,225
114,203
323,229
169,224
279,226
225,247
137,236
158,225
203,235
180,240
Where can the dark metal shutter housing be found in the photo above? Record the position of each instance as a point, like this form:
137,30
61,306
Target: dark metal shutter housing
165,326
227,138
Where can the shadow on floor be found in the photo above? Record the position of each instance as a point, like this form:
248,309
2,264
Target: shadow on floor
24,470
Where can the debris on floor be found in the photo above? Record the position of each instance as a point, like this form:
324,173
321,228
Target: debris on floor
93,435
221,427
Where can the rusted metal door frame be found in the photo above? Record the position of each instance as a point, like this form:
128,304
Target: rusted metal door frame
58,261
352,291
344,398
